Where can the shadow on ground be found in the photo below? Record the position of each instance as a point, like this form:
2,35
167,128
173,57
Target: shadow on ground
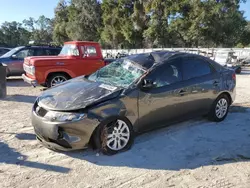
10,156
20,98
187,145
16,82
26,136
21,136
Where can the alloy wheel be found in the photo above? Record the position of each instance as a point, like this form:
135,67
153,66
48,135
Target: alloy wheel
58,80
119,136
221,108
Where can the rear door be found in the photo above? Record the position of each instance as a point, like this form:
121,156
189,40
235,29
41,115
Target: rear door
201,85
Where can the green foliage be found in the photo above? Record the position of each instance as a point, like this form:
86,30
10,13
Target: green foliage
84,20
239,45
13,34
41,29
60,22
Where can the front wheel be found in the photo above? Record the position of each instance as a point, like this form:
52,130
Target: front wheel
56,79
115,136
219,109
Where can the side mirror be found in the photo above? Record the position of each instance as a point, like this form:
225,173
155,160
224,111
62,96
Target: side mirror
14,56
148,84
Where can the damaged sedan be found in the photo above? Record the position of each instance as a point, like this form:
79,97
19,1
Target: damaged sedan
132,95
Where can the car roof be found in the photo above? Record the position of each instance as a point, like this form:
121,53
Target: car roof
148,60
156,58
30,46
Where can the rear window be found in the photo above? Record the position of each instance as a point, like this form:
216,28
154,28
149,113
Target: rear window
89,51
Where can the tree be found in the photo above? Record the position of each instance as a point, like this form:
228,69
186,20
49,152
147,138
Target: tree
157,33
84,20
245,37
208,23
41,29
111,32
60,22
13,34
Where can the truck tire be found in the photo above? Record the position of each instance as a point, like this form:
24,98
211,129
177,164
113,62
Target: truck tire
56,78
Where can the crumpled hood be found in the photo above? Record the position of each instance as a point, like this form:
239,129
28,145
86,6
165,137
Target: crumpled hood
76,94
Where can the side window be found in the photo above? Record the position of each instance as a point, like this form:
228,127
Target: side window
55,51
24,53
89,51
39,52
167,74
47,52
193,68
52,52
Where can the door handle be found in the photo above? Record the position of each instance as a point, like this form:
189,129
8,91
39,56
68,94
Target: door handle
182,92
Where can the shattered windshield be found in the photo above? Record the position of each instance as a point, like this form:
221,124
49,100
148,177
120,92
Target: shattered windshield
121,73
69,50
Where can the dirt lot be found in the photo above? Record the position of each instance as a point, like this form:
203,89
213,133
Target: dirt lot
194,154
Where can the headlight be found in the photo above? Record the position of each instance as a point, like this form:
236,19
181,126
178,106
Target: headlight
63,116
32,70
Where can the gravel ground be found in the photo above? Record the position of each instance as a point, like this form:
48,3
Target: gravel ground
193,154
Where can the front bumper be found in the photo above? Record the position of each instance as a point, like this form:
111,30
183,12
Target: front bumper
29,80
64,136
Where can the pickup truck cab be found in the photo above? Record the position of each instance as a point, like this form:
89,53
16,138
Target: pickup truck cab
75,59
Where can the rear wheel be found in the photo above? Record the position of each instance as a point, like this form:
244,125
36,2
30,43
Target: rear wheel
56,79
238,70
115,136
219,109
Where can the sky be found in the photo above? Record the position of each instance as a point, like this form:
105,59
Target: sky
18,10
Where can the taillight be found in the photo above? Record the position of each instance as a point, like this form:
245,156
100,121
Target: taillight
234,76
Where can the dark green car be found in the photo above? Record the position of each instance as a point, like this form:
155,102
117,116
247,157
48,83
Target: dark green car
132,95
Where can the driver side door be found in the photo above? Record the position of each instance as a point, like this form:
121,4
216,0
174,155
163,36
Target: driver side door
160,104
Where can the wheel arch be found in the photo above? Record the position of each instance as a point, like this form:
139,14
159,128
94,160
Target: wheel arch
58,72
228,95
93,140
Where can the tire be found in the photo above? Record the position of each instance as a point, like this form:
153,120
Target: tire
238,70
115,136
219,109
59,77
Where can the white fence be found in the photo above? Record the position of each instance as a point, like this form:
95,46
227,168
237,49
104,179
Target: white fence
239,52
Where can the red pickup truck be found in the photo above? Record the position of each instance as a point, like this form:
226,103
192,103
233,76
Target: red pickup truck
76,58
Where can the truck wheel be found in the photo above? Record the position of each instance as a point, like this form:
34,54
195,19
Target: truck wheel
56,79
